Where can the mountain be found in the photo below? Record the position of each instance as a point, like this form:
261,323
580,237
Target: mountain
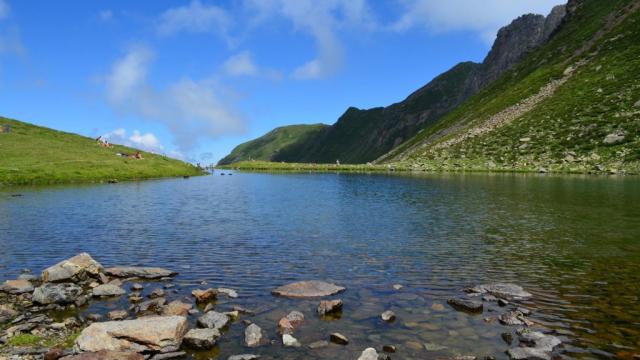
572,105
31,154
268,146
364,135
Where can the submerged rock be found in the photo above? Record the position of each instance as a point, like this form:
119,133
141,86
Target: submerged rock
243,357
146,334
176,308
139,272
308,289
204,296
287,324
228,292
329,306
16,287
108,290
534,345
73,269
289,341
213,320
151,306
117,315
388,316
253,336
369,354
501,290
339,339
59,293
514,318
465,305
201,338
318,344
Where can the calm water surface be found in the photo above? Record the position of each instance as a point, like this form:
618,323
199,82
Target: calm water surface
574,242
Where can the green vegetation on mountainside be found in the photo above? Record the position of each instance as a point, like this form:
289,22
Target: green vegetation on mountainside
596,51
272,143
31,154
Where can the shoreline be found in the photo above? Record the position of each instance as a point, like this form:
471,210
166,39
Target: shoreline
263,166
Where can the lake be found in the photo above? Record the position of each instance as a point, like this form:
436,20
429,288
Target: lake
571,241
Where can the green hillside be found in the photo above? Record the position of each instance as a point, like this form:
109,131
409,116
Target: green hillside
268,146
571,106
32,154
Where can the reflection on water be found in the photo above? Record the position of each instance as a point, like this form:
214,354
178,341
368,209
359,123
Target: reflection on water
574,242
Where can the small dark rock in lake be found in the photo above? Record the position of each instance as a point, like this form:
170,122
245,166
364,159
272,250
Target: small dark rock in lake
339,339
465,305
389,348
388,316
201,338
329,306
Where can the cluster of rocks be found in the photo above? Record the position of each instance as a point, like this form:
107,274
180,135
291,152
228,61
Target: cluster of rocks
532,344
152,328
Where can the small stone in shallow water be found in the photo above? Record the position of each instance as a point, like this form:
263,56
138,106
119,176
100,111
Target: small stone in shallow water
434,347
137,287
388,316
437,307
214,320
369,354
503,302
507,337
329,306
501,290
117,315
228,292
242,310
201,338
19,286
287,324
176,308
339,339
94,317
397,287
389,348
289,341
108,290
253,336
204,296
465,305
318,344
156,293
243,357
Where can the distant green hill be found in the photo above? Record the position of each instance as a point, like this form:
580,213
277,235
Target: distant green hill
571,106
268,146
31,154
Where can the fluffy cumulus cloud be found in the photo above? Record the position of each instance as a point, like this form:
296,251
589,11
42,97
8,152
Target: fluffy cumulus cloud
195,17
322,20
148,141
240,65
468,15
192,109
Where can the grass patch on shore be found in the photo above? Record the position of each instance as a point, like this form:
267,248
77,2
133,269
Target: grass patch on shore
282,166
31,154
25,340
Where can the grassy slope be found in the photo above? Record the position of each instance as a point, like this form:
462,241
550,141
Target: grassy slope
32,154
282,166
364,135
599,99
270,144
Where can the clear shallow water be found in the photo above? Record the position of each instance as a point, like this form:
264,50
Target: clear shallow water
574,242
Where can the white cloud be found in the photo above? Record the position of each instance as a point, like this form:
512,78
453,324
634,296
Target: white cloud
196,18
193,110
321,19
240,64
4,9
148,141
468,15
106,15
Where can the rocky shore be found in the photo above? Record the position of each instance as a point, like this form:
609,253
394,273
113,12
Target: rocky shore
40,318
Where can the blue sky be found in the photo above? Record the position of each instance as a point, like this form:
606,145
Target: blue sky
192,79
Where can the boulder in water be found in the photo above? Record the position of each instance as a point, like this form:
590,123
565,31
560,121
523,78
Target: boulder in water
58,293
139,272
19,286
73,269
329,306
147,334
467,305
501,290
108,290
201,338
308,289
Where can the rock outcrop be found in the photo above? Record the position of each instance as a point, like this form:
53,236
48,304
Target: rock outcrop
73,269
146,334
